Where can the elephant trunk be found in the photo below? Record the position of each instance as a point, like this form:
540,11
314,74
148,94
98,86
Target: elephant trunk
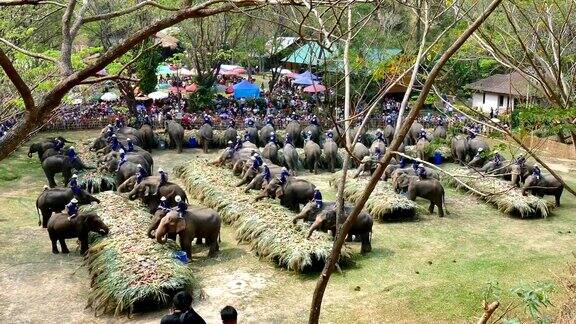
29,154
160,238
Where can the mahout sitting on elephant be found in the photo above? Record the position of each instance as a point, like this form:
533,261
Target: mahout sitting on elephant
330,150
149,192
427,188
54,201
60,228
195,223
292,192
61,164
323,218
543,185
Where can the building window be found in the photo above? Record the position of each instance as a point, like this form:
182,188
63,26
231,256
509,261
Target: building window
500,101
484,98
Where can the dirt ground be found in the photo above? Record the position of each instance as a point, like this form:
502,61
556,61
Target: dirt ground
430,270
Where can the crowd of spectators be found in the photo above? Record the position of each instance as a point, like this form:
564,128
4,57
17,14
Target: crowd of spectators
182,312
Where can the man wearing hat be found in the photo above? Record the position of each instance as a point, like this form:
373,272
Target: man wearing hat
379,135
122,159
284,174
71,153
164,204
536,172
267,175
314,121
318,198
58,144
115,144
181,206
73,183
72,208
129,145
140,174
421,172
497,158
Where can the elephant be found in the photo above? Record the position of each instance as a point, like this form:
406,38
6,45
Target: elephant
545,185
206,136
129,183
478,160
368,165
430,173
313,154
430,189
520,173
380,144
293,193
146,190
388,133
473,145
148,141
248,172
175,135
422,147
258,182
100,145
439,132
414,132
44,150
201,222
60,229
389,170
324,219
134,156
237,155
55,200
197,211
290,157
265,133
314,132
230,135
459,149
252,134
330,154
360,151
61,164
362,135
270,152
293,129
131,132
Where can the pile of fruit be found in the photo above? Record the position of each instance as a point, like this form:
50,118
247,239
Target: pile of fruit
383,204
500,193
129,270
265,225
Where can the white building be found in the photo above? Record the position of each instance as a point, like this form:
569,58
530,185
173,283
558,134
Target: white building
500,92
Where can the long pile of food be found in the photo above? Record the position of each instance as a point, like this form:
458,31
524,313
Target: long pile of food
129,270
383,203
265,225
93,180
500,193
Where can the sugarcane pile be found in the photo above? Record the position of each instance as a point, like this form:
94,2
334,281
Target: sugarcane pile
265,225
499,192
130,271
383,204
93,180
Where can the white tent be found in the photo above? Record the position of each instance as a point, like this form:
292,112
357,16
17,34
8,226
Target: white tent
158,95
109,96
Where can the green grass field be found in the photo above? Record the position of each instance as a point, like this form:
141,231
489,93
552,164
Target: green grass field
427,271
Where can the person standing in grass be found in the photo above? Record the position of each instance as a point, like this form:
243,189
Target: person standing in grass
182,311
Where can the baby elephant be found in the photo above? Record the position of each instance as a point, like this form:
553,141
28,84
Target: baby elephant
60,229
324,219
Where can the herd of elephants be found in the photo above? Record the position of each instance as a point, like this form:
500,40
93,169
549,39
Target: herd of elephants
239,150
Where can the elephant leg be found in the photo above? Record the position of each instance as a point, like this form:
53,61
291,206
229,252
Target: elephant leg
53,239
366,244
431,207
186,244
440,209
45,217
83,245
316,167
50,177
214,246
63,245
557,196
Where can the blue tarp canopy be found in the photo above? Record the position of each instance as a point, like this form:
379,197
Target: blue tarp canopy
246,89
310,54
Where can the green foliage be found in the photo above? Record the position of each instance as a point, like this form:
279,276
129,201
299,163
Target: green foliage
535,297
146,69
492,291
552,120
203,97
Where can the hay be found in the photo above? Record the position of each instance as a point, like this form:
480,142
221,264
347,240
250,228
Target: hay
265,225
130,271
383,204
500,193
93,180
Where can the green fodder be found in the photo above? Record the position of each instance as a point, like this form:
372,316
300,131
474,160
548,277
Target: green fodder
93,180
500,193
131,272
219,141
266,226
434,148
383,204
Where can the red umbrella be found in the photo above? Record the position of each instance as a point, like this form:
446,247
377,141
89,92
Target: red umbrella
316,87
192,87
177,89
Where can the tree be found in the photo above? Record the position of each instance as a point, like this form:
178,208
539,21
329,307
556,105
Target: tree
62,57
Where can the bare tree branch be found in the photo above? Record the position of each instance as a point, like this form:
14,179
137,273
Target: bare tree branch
126,11
16,79
9,3
26,52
